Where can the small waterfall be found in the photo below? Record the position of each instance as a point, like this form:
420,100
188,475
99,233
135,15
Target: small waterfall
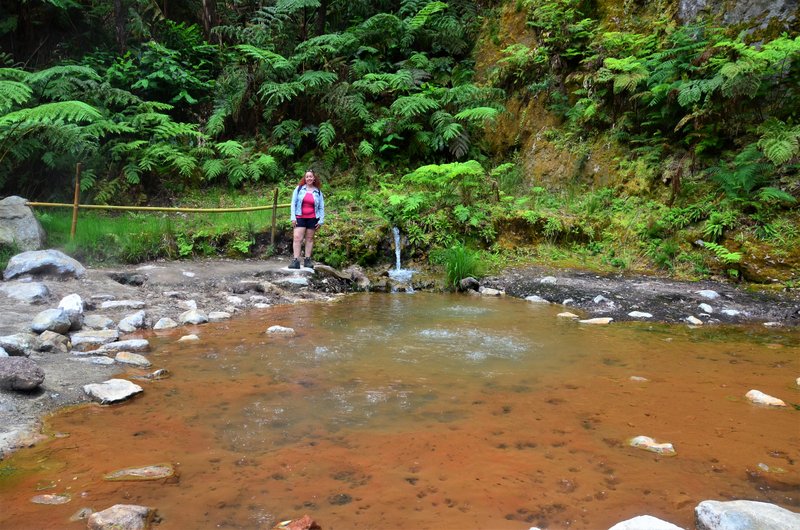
400,274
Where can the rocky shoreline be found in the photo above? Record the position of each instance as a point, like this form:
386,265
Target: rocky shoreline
79,326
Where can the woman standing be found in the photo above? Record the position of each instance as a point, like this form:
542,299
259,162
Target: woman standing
308,214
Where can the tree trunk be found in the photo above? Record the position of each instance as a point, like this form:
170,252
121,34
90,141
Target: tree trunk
322,13
119,23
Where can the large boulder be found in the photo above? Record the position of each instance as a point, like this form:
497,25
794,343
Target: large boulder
20,373
744,515
51,320
52,262
29,292
18,225
20,344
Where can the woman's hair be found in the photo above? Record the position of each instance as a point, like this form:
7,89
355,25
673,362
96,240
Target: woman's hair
317,182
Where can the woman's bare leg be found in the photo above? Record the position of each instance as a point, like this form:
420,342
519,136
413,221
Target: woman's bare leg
298,234
309,241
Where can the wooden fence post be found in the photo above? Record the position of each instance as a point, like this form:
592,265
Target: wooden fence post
75,201
274,217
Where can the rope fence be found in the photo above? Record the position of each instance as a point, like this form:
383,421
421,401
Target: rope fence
76,206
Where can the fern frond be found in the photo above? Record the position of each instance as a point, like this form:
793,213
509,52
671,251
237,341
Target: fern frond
274,61
365,149
213,168
49,113
277,93
281,150
316,79
414,105
169,130
13,93
230,148
478,114
770,194
419,20
779,142
325,134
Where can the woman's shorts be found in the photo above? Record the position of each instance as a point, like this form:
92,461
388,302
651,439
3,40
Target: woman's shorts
307,222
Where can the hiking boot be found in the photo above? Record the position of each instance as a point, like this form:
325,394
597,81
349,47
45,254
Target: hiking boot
308,264
295,264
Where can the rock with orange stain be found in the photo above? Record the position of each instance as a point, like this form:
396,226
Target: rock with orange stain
304,523
154,472
122,517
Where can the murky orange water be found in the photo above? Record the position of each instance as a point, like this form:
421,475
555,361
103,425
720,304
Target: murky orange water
429,411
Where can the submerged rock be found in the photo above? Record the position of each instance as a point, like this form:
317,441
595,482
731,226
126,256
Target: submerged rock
760,398
744,515
601,321
51,498
648,444
645,522
304,523
280,330
122,517
154,472
567,314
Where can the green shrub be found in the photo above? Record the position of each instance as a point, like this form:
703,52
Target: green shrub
460,262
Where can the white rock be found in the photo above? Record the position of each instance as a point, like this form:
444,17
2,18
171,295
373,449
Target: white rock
98,322
71,302
760,398
645,522
30,292
705,308
262,305
639,379
600,299
731,312
568,301
217,316
3,352
112,390
548,280
51,319
122,304
193,316
234,300
708,293
772,324
639,314
165,323
488,291
597,321
536,299
188,304
189,338
188,274
694,321
648,444
122,517
134,345
91,340
744,515
258,299
132,322
126,357
567,314
51,262
280,330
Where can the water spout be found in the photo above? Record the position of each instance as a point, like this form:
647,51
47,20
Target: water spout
400,274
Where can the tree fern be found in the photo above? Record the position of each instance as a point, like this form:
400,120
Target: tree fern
273,61
230,148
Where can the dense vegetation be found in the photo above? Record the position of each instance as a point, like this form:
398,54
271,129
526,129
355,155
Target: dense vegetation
162,102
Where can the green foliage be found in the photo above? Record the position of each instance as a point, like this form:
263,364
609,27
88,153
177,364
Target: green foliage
459,262
723,254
